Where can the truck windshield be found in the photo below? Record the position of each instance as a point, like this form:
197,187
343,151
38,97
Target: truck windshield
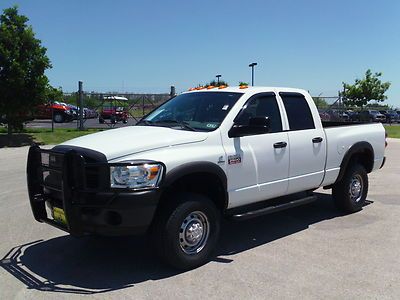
199,111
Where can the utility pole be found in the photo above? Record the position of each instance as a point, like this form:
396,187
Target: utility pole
218,77
252,65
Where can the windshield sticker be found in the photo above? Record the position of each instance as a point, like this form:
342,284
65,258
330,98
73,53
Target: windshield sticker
234,159
209,125
225,107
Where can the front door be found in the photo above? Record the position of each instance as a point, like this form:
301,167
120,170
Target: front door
258,165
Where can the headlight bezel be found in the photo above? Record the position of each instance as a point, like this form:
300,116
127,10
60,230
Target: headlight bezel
141,163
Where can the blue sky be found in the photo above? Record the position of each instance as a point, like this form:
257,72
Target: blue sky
146,46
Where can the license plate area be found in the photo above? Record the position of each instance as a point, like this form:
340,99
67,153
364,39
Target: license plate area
58,215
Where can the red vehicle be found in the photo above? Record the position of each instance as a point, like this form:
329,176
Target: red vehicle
61,113
114,110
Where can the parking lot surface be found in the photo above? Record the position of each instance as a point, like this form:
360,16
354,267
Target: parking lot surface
308,252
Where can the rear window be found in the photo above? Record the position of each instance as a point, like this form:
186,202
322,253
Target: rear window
298,111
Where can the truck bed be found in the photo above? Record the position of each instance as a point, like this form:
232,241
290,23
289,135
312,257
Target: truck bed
340,136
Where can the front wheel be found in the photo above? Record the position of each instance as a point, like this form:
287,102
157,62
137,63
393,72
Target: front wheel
186,234
351,192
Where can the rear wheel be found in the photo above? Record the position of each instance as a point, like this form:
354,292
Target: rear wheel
186,233
351,192
58,118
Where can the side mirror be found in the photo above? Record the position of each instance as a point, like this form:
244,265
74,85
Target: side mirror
257,125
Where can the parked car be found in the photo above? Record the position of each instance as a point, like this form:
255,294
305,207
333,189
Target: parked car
61,112
113,110
204,155
337,115
353,115
371,116
324,115
90,113
391,116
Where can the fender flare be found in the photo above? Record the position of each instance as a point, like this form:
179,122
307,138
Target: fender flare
359,147
197,167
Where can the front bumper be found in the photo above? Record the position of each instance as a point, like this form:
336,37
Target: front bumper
89,208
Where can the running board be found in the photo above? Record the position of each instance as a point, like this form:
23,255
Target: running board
273,208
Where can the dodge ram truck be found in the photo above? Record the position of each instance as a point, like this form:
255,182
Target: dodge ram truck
204,155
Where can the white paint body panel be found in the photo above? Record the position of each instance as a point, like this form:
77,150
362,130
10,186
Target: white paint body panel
264,172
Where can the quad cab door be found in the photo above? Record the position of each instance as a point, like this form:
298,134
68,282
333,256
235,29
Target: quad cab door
307,143
258,164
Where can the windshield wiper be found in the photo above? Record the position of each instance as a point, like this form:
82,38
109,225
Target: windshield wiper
183,124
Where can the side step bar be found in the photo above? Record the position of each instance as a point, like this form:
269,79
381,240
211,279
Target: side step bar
273,208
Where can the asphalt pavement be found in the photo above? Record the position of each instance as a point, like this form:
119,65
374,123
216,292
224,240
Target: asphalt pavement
308,252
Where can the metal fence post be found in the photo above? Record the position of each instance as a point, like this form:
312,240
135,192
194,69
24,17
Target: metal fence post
172,92
80,106
52,114
143,106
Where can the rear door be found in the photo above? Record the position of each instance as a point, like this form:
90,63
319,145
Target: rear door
306,143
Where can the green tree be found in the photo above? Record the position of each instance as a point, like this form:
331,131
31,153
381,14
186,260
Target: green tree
54,94
366,89
23,61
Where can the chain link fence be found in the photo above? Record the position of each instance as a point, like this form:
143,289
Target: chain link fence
112,108
335,109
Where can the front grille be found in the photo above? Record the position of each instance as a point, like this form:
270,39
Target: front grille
84,173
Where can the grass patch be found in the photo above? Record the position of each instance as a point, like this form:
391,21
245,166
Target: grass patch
393,131
43,136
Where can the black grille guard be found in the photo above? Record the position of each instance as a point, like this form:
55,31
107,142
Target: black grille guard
72,169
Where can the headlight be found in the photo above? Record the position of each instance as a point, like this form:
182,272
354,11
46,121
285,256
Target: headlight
136,176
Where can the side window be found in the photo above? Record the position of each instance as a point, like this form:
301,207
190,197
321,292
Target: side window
261,106
298,111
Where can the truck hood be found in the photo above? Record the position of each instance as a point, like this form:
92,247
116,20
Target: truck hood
124,141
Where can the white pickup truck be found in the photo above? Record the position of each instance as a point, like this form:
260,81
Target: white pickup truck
235,152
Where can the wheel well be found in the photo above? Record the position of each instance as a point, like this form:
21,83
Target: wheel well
207,184
364,158
361,153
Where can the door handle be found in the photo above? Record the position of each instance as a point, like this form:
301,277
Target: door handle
280,145
317,139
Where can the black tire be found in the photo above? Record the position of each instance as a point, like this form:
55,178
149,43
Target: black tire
170,238
125,121
345,193
58,118
101,120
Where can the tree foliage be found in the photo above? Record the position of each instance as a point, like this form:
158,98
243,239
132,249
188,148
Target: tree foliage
366,89
53,94
23,62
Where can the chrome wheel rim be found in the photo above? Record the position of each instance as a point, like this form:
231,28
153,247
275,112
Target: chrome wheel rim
356,188
194,232
58,118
